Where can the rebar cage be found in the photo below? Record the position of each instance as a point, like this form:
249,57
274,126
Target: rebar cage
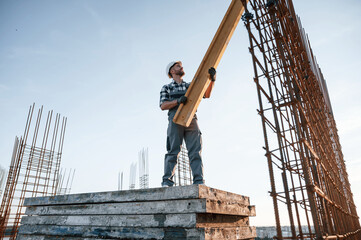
34,169
183,172
307,171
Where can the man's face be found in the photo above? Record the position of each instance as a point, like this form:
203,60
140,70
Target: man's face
177,69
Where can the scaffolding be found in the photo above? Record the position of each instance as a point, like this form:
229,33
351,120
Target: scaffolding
307,171
183,172
34,169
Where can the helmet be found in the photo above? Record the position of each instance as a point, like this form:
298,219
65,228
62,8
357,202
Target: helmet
169,66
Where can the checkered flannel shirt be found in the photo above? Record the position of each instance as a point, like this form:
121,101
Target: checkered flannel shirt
172,91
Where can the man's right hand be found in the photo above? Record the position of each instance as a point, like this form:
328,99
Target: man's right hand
182,99
212,73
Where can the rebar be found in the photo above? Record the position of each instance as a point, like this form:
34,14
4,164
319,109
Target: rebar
306,167
65,181
34,169
183,172
143,169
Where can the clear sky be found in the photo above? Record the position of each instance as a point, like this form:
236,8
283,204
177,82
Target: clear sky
102,64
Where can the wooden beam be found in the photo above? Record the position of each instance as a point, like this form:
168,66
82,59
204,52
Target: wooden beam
212,58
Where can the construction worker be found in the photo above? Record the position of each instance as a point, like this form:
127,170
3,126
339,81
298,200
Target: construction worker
171,96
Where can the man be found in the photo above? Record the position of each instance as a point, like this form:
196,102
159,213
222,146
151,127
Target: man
171,96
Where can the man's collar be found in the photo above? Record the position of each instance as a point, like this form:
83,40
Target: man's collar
173,81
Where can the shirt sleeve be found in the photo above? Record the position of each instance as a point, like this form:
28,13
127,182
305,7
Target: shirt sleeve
164,95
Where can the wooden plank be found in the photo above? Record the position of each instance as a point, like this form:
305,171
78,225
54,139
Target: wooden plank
151,194
154,207
212,58
137,233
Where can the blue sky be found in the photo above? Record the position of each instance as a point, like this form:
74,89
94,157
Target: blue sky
102,64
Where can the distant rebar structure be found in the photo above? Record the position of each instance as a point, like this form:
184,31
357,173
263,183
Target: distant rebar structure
183,172
34,168
309,181
132,175
120,181
3,173
143,169
65,181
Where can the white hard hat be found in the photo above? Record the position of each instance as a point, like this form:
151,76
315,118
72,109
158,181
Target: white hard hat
169,66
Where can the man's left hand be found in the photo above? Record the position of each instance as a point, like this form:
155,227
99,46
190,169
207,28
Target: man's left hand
212,73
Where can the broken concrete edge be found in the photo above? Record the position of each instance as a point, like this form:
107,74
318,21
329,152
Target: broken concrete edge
150,194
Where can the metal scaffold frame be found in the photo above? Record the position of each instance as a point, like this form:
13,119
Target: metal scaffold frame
34,169
306,166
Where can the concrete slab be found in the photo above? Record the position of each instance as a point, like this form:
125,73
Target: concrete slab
139,233
42,237
153,220
171,193
190,220
152,207
187,212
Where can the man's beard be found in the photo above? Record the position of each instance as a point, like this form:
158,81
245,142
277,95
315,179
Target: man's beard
180,73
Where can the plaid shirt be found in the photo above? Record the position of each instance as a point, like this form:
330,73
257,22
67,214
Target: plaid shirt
172,91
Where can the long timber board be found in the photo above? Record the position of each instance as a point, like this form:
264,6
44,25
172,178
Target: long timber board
212,58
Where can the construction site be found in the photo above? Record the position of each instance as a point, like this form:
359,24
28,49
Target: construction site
279,134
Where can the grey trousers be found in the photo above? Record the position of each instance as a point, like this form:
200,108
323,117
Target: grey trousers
193,139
